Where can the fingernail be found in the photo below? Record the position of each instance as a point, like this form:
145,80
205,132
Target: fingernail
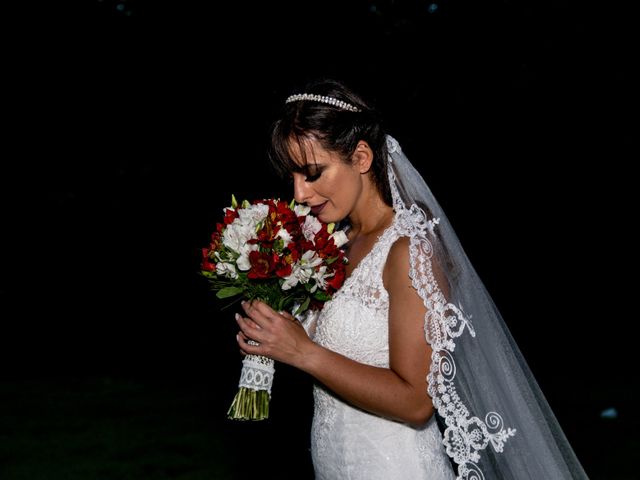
238,337
238,317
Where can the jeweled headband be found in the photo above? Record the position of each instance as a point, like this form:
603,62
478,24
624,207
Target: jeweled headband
322,99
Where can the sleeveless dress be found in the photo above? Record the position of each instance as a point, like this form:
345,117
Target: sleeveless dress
348,443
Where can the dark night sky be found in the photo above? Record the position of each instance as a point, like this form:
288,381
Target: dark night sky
130,132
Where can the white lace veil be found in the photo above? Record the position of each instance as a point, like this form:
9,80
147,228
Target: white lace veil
497,422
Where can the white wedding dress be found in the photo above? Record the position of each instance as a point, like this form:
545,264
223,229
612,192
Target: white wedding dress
348,443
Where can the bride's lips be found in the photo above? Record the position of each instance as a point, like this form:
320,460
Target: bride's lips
318,208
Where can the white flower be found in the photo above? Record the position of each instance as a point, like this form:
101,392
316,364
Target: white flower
311,227
226,269
242,229
339,238
243,261
301,210
284,235
302,270
320,277
253,214
299,274
310,259
236,235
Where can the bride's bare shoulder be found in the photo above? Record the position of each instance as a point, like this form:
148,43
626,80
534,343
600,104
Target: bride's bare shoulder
397,269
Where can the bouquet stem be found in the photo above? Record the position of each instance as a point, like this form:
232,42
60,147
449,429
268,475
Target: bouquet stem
254,392
249,405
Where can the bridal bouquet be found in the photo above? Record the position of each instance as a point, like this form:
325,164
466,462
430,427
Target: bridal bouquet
281,254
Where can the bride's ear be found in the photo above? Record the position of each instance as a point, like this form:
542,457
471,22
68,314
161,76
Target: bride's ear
362,157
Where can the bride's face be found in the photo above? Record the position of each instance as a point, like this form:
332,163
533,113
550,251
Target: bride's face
325,182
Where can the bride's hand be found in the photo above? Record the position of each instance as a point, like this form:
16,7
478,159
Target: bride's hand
280,336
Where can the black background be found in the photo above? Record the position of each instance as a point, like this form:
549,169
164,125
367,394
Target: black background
129,125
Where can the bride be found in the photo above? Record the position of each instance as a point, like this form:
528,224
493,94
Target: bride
417,376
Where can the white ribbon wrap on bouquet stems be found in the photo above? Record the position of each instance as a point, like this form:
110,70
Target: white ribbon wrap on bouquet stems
257,372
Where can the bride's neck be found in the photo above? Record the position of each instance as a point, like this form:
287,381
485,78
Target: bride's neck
374,218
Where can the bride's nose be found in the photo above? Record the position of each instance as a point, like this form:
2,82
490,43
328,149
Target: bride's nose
302,192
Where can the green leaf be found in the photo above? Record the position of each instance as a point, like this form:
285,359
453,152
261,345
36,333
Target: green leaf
229,292
322,296
330,227
234,202
292,204
302,307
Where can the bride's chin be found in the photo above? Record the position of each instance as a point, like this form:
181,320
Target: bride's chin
328,218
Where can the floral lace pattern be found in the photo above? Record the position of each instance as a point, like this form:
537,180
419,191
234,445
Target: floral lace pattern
466,435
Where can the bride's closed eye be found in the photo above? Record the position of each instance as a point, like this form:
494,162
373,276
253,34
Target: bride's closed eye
313,172
313,178
310,174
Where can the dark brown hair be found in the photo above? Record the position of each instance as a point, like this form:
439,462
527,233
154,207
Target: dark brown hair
336,129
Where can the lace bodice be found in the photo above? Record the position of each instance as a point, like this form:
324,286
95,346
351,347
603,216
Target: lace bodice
348,443
362,295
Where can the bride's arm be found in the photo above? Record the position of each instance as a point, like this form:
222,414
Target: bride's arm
398,392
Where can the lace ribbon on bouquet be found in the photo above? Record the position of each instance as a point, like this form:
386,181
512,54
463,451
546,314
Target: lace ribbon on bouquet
254,389
257,372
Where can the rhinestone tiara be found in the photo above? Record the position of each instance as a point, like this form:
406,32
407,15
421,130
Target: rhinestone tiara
322,99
